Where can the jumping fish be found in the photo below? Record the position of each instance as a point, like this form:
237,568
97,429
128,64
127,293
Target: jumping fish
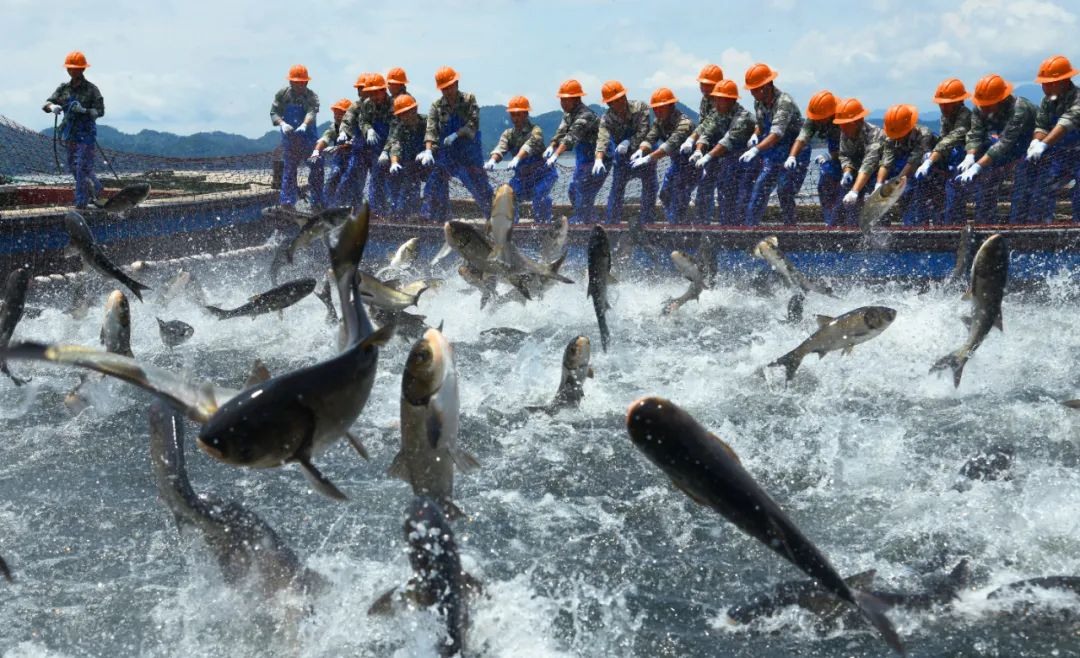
769,250
115,337
385,296
82,241
174,332
11,311
965,251
501,221
881,201
575,369
553,240
599,276
126,199
275,299
403,258
841,333
690,270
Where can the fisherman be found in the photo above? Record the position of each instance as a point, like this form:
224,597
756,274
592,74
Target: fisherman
1056,146
710,75
452,148
293,112
1012,119
625,124
82,104
820,112
405,143
350,190
860,155
339,158
667,133
778,124
727,129
376,113
940,168
578,130
906,143
396,81
531,177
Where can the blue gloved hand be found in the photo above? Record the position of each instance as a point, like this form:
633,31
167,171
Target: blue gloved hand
821,159
695,156
1035,150
753,140
384,157
490,164
640,162
704,160
512,165
790,163
851,197
425,157
687,146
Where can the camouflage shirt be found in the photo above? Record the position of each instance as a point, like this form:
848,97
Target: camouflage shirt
917,143
330,135
730,130
304,98
954,131
1063,111
705,109
1014,124
614,128
673,131
88,96
466,109
783,118
404,141
579,126
825,130
862,154
372,112
513,138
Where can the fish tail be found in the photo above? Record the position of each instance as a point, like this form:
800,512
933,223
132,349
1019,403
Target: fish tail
956,361
874,610
219,313
791,362
605,335
137,288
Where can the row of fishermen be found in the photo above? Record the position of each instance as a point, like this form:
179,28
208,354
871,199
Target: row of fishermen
735,159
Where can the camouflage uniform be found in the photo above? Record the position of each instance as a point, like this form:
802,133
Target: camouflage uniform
705,110
350,187
376,115
532,177
862,154
783,119
512,139
79,132
828,185
723,179
1061,162
462,159
951,152
915,205
681,177
296,107
403,144
578,131
1014,125
632,128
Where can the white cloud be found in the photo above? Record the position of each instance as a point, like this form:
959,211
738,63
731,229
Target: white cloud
782,5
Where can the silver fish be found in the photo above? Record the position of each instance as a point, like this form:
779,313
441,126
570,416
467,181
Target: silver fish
769,250
575,369
553,240
276,299
174,332
11,311
501,221
126,199
841,333
82,241
599,276
880,201
690,270
403,258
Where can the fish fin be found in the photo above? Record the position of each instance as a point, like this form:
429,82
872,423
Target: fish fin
967,295
540,408
399,467
354,441
416,297
380,337
219,313
955,362
259,374
384,605
959,577
847,350
136,289
452,511
1072,404
465,462
998,322
6,571
318,480
590,373
862,580
874,610
823,320
790,362
443,253
967,320
520,285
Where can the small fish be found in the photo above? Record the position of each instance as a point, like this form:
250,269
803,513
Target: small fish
553,240
965,252
115,333
795,308
880,201
575,369
841,333
11,311
315,226
379,293
5,571
403,258
326,297
174,332
82,241
501,221
126,199
769,250
275,299
690,270
599,276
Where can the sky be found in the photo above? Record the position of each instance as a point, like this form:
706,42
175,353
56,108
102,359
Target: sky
195,65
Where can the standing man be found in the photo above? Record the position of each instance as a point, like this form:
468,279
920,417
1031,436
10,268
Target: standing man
293,112
396,81
1055,150
860,155
906,143
708,78
778,124
82,105
667,133
1012,120
531,176
578,130
820,112
350,189
452,148
405,144
376,112
338,158
727,130
625,124
939,170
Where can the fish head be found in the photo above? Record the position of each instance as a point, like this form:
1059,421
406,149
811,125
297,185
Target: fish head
347,251
426,367
993,253
502,206
879,317
429,537
408,249
598,239
116,327
77,228
577,354
894,187
257,428
17,281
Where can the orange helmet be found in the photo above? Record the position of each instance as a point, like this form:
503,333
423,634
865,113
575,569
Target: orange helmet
298,73
342,105
361,81
518,104
822,106
397,76
662,96
759,75
1055,68
445,77
75,60
849,111
951,91
725,89
403,103
992,89
711,73
612,90
375,82
571,89
900,121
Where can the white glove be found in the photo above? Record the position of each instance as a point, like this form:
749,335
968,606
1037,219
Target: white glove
302,129
968,161
552,160
396,167
598,167
450,139
969,173
76,107
750,154
923,169
1035,150
753,140
687,146
548,151
490,164
790,163
342,138
623,146
384,157
285,128
705,159
640,162
314,157
372,136
55,109
425,157
514,162
821,159
851,197
847,179
695,156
